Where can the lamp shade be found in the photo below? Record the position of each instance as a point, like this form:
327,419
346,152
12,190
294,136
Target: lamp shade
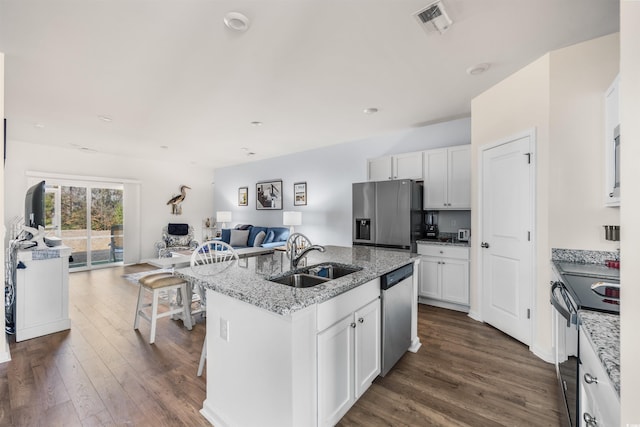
223,216
291,218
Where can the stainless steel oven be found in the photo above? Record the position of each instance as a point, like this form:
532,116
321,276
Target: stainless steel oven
565,325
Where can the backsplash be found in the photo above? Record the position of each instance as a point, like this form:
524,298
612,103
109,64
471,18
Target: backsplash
583,256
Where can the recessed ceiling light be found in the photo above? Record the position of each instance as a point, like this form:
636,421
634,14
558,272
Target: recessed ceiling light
478,69
105,118
370,110
236,21
39,125
256,123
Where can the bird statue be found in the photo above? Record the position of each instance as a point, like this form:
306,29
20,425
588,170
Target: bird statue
175,201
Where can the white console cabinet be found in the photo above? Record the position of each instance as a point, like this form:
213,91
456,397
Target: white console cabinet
42,292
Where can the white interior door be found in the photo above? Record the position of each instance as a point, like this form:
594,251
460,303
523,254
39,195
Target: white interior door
506,257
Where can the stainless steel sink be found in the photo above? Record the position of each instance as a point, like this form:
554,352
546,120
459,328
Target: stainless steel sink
331,270
300,280
314,275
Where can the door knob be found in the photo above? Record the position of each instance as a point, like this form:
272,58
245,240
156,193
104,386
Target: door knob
484,245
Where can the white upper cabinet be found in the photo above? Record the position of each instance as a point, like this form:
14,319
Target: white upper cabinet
612,145
447,178
400,166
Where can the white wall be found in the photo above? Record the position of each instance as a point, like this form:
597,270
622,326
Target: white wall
630,211
159,181
329,173
561,96
4,344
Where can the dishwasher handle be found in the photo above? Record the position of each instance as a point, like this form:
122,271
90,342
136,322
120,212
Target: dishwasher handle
396,276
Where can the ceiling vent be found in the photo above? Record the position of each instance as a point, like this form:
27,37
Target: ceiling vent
434,17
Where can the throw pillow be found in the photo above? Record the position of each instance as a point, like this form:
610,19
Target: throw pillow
239,237
269,238
259,239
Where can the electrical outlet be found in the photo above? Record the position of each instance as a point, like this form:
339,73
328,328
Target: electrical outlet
224,329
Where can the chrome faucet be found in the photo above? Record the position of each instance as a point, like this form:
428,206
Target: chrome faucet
295,258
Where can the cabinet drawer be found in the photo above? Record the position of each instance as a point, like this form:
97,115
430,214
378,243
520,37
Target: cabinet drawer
329,312
599,398
444,251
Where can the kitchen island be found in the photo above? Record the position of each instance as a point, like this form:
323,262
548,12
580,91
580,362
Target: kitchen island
284,356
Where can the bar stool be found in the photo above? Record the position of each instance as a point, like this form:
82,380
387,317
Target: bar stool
156,283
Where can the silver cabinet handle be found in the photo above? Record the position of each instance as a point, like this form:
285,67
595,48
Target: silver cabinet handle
589,420
484,245
361,320
610,194
589,379
441,252
353,324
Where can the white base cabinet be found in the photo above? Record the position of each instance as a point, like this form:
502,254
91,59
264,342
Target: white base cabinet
42,292
348,355
599,401
444,276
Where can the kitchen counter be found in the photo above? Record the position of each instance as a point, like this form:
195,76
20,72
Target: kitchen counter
603,331
247,279
452,242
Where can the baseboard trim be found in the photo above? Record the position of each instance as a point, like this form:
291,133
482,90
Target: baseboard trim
543,353
211,416
415,345
475,315
5,355
443,304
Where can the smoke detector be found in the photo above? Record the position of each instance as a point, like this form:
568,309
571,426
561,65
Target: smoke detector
434,16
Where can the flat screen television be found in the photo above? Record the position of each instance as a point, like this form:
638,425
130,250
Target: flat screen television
34,206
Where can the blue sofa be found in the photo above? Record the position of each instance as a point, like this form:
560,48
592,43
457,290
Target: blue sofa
273,236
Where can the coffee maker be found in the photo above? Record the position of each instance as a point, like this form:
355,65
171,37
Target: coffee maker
431,225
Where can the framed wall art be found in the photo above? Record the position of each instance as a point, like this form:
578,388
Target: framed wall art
269,195
300,194
243,196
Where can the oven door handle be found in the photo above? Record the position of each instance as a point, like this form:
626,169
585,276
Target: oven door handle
558,305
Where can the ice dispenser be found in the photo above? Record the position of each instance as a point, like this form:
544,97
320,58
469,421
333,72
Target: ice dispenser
363,229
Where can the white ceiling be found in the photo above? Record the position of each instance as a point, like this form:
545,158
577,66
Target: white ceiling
169,73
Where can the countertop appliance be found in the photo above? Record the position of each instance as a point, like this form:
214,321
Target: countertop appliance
388,214
464,234
572,293
431,227
396,301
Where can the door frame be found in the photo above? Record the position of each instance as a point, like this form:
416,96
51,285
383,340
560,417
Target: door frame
531,134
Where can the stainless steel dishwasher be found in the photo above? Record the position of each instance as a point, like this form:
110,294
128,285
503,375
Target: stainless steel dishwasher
397,300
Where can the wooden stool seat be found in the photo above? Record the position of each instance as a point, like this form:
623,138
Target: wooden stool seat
155,283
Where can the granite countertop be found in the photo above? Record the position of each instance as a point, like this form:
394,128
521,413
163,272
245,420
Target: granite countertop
452,242
603,331
247,279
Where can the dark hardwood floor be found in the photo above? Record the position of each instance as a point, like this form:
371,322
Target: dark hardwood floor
102,372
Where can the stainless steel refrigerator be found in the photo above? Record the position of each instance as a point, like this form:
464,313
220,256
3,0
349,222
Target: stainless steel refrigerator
387,214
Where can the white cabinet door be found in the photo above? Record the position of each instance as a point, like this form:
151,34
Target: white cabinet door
367,347
459,177
407,166
379,169
335,371
435,177
612,148
429,278
455,280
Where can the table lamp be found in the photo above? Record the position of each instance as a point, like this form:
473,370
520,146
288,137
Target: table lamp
291,219
223,217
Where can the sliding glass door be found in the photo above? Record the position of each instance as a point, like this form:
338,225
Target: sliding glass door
88,217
